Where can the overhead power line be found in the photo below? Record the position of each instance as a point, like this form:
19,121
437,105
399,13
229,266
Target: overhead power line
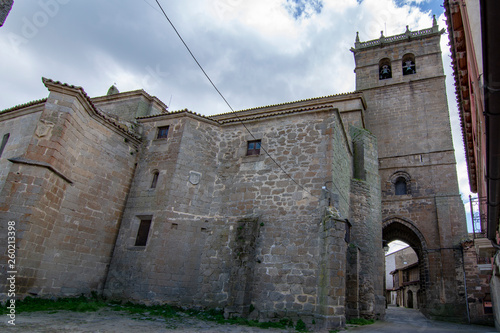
231,108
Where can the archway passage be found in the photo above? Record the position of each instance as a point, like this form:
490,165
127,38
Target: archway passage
410,298
402,275
402,230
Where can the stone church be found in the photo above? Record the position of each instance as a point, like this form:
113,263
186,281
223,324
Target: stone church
271,212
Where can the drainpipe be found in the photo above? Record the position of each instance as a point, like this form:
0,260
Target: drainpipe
491,49
465,286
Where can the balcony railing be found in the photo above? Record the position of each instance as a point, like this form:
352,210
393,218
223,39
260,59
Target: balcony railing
478,216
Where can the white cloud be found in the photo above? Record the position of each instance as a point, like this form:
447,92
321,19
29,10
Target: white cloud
255,52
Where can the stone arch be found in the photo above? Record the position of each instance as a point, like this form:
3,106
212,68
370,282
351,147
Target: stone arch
408,63
410,299
401,183
399,228
384,69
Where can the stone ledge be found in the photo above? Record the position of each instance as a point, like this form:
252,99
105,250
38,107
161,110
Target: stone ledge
22,160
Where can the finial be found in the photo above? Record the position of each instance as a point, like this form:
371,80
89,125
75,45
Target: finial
407,32
357,36
113,90
382,34
434,21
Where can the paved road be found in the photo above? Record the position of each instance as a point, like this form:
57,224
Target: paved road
401,320
398,320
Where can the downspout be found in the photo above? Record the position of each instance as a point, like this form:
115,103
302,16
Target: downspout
465,286
490,26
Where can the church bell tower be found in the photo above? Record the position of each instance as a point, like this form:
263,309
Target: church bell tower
403,81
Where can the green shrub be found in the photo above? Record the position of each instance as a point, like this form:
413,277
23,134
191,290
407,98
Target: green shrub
301,326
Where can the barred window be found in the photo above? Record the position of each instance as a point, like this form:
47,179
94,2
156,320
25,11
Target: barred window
253,147
162,132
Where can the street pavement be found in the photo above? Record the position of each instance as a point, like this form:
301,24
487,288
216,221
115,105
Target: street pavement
402,320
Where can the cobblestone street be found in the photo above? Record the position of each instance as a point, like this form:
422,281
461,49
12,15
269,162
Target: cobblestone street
402,320
398,320
108,321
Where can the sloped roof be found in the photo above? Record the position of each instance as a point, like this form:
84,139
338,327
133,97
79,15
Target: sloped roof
459,64
107,119
25,105
275,110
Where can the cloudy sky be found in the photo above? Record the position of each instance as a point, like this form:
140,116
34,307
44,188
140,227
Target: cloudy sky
258,52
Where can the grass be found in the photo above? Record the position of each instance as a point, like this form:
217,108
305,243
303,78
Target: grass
78,304
151,312
360,321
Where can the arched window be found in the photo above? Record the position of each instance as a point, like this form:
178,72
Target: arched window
409,64
384,69
400,186
155,178
401,183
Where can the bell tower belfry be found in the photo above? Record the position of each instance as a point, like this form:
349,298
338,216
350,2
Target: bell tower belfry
403,82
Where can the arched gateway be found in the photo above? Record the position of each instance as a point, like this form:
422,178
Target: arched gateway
397,228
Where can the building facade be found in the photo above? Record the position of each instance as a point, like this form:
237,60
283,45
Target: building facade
403,280
272,212
472,26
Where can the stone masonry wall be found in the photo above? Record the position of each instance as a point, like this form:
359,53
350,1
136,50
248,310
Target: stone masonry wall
428,62
129,105
31,196
287,271
66,195
366,229
410,119
247,237
478,287
20,129
179,208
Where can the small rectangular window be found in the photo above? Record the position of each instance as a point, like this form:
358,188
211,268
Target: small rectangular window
4,143
162,132
253,147
155,179
143,233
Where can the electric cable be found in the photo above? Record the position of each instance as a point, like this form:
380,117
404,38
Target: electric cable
232,110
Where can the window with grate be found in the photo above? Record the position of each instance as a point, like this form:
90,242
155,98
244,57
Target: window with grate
253,147
162,132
